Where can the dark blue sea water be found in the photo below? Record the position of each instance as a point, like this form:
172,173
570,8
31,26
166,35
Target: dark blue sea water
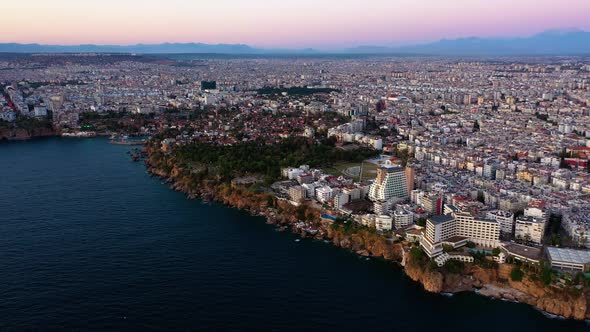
89,241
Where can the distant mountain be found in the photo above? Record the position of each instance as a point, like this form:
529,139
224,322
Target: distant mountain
138,48
552,42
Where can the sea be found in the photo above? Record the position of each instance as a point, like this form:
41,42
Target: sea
90,242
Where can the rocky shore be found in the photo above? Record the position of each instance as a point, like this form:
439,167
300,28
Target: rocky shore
490,282
20,134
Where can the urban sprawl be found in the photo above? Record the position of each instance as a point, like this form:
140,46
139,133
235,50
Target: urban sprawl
472,155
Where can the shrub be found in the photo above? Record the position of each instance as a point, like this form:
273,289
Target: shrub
417,253
516,274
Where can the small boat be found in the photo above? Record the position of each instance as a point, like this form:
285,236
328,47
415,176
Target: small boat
297,240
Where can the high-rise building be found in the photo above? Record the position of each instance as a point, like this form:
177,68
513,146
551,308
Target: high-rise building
410,177
456,229
390,184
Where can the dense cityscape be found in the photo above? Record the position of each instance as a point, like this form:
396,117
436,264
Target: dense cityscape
463,162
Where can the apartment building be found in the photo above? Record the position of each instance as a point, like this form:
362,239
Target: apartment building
530,229
402,218
505,218
383,223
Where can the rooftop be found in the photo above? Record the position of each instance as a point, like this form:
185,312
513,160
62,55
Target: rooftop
523,251
569,255
441,219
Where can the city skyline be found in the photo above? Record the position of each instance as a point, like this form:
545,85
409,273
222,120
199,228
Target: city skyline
285,24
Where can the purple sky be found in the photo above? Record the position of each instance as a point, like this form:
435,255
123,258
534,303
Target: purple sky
282,23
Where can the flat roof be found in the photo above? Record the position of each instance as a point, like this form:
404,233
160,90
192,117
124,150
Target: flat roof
524,251
440,219
569,255
455,239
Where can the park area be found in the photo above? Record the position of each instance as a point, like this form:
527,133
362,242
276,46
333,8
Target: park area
352,170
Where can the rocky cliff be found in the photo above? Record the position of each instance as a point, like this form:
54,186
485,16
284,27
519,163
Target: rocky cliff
365,242
18,134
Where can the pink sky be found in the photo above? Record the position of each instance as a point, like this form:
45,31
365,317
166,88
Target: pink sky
282,23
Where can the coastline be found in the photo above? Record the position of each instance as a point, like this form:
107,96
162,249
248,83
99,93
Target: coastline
20,134
488,282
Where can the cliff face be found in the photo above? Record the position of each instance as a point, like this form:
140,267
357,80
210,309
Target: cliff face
367,243
553,300
550,299
23,134
363,241
433,281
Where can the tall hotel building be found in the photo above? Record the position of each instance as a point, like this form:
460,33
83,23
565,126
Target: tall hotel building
390,183
456,229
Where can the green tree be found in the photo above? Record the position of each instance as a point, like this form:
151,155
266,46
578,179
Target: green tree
417,253
421,222
546,273
516,274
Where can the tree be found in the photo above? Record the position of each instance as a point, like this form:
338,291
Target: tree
516,274
476,126
496,251
417,253
421,222
546,273
555,240
470,244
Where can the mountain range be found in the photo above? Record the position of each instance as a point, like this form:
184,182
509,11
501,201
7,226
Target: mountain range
552,42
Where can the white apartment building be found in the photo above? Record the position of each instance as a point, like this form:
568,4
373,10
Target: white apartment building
368,220
340,199
383,223
324,194
402,218
536,209
505,218
530,229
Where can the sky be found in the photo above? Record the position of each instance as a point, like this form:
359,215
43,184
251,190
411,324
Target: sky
282,23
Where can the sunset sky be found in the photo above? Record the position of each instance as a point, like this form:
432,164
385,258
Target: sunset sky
282,23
